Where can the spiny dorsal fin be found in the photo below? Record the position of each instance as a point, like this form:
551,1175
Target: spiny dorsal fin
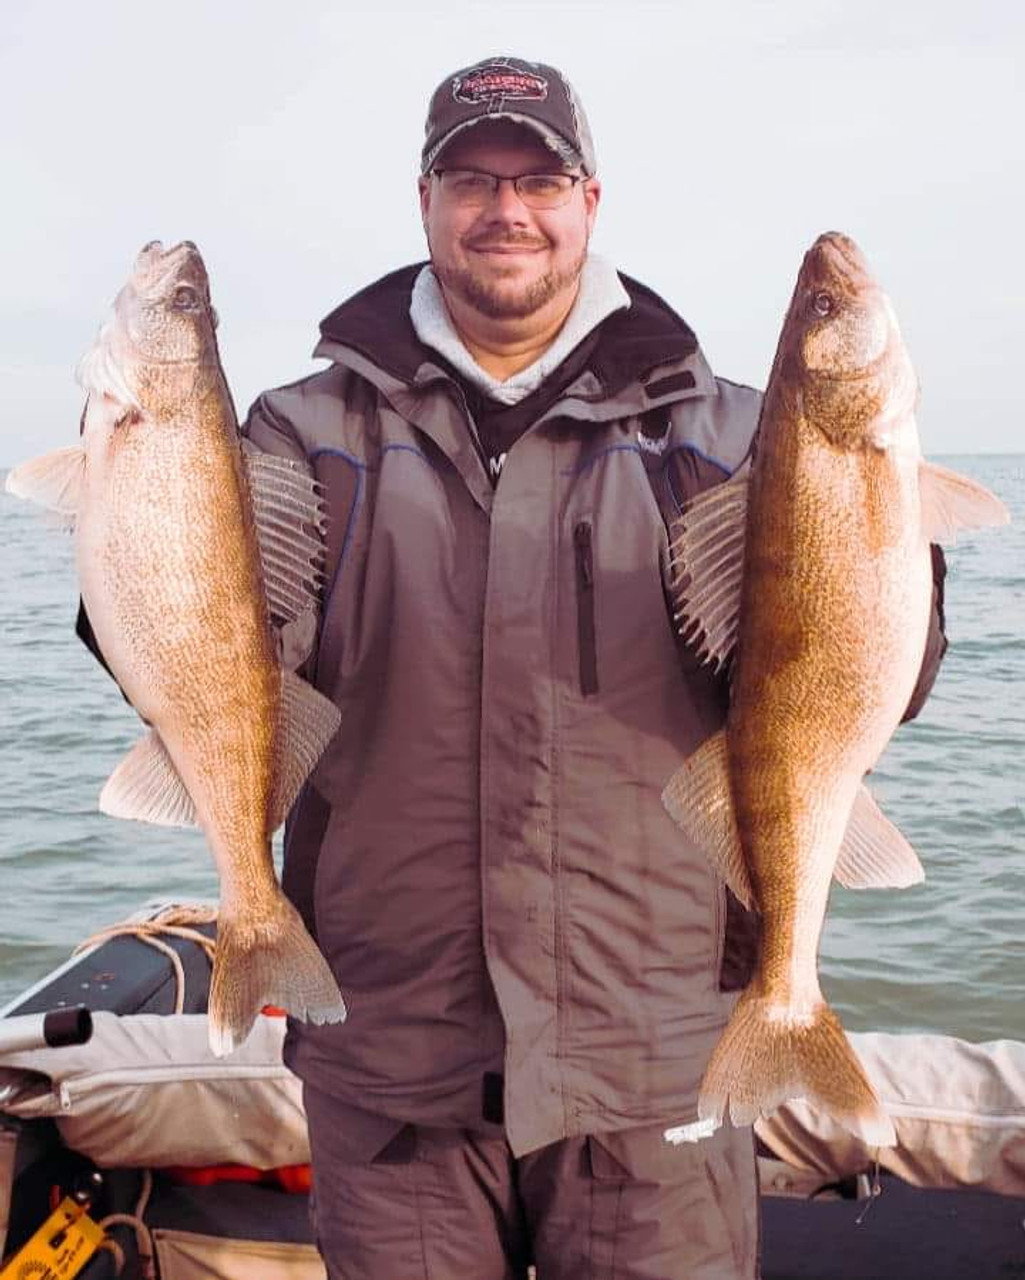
707,554
289,527
951,502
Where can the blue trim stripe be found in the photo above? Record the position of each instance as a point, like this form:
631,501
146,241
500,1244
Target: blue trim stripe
670,485
632,448
404,448
705,457
360,468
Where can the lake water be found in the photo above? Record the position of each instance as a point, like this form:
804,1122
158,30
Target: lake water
948,955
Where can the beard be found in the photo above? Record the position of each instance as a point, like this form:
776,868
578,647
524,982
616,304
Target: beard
500,300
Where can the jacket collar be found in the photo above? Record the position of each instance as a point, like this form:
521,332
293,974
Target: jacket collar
644,356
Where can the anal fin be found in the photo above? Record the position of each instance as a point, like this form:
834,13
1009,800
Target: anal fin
146,787
874,854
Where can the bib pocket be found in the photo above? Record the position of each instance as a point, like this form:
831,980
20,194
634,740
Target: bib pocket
587,644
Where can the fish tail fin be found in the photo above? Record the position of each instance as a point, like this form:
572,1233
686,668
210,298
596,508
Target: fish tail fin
272,962
771,1053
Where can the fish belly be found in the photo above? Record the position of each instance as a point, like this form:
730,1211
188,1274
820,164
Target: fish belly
833,623
170,579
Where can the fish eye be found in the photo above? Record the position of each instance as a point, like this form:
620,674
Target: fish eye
822,303
185,298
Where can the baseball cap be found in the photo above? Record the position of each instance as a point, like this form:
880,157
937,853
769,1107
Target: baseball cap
529,93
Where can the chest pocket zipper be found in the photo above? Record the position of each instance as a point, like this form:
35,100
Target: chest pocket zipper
586,638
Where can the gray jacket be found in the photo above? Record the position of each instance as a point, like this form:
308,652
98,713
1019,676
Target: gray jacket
521,932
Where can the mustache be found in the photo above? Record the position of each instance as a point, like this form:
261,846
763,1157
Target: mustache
508,242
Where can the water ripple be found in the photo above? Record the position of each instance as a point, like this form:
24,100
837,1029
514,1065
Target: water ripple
947,955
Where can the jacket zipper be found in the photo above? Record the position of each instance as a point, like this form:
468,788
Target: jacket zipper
586,640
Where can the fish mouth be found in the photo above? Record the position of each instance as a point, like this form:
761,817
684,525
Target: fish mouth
155,265
840,256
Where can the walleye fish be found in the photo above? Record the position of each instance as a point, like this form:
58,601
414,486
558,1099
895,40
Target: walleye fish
812,568
188,551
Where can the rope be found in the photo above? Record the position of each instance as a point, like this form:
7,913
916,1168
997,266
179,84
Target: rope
143,1236
175,921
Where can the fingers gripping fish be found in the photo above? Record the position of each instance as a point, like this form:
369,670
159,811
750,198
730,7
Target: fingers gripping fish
823,604
188,553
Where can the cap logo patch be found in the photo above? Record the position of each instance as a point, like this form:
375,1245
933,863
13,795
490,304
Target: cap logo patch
493,83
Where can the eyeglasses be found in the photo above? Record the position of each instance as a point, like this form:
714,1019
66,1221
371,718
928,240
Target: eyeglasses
473,188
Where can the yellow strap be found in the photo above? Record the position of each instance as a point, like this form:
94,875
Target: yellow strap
59,1249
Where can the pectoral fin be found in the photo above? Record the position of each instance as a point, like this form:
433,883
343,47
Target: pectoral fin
708,567
146,786
874,854
308,723
951,502
697,798
289,524
54,481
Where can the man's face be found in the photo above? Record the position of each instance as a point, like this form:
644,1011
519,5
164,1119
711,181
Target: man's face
505,260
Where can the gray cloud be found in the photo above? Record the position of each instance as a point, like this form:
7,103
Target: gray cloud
727,139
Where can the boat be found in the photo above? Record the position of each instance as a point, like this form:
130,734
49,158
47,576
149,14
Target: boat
129,1150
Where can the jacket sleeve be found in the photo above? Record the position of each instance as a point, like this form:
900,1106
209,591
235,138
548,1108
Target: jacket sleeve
84,631
936,641
266,428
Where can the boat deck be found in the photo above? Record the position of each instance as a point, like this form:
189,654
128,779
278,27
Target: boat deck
905,1234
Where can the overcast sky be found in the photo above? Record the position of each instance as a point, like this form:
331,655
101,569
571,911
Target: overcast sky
283,138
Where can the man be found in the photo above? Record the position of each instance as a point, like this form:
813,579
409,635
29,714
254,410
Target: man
537,963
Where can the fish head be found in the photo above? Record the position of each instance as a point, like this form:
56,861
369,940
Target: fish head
165,308
842,358
160,335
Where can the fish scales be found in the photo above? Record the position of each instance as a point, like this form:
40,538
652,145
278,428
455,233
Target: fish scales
180,614
174,570
834,603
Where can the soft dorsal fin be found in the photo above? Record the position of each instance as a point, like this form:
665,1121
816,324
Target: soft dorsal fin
698,799
307,724
951,502
289,528
708,567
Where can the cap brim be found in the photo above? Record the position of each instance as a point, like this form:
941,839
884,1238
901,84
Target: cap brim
563,150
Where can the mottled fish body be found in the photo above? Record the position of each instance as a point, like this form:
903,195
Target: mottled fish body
189,553
824,605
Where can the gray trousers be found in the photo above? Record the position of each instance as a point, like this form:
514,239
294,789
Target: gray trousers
450,1204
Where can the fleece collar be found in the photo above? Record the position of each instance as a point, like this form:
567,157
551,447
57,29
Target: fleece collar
601,293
